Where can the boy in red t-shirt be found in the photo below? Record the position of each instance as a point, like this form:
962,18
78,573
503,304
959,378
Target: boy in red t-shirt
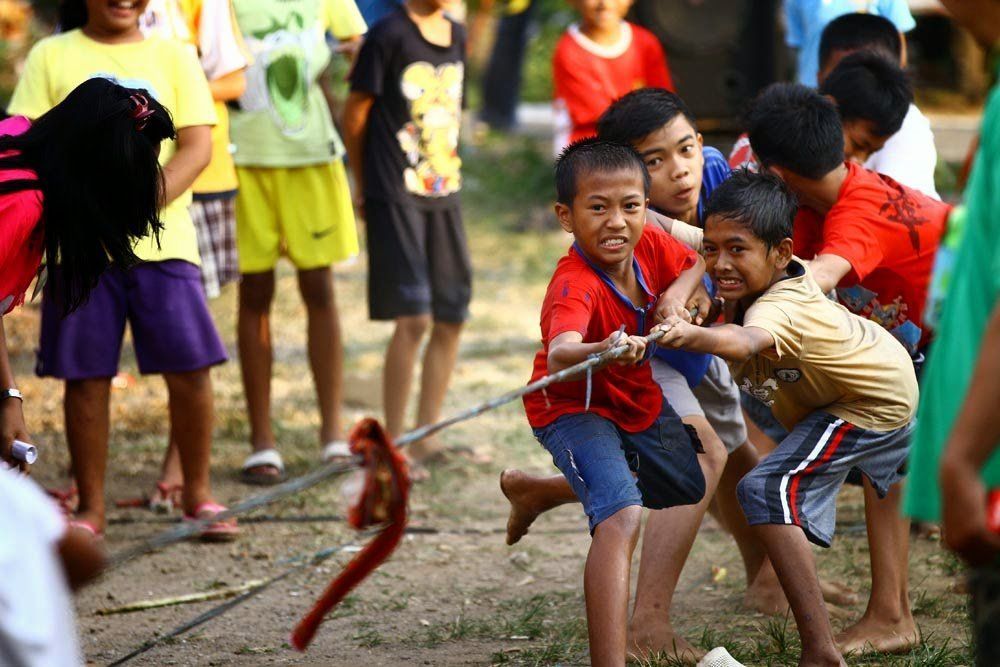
625,449
597,61
874,241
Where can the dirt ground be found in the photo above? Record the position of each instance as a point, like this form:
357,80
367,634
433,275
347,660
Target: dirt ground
453,594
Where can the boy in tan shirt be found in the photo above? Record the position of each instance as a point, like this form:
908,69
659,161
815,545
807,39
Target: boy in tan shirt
843,386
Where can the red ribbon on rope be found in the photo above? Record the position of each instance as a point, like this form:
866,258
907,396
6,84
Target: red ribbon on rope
383,500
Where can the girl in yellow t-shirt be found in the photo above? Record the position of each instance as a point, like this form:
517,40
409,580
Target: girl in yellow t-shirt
161,298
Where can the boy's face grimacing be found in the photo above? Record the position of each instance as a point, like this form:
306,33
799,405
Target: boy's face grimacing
607,216
860,140
741,264
674,159
602,14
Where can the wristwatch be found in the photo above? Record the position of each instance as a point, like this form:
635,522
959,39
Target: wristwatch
11,392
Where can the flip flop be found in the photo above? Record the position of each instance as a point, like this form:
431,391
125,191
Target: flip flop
68,499
218,531
265,458
337,450
169,497
719,657
86,526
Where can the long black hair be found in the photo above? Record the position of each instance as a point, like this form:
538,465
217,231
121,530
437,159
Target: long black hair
95,154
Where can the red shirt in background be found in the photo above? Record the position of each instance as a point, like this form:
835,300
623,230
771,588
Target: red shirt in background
581,298
890,234
588,76
22,235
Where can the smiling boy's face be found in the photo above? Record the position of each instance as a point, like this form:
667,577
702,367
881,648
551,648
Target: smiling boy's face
674,159
741,264
607,216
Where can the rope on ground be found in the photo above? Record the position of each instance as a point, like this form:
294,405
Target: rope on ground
189,529
301,562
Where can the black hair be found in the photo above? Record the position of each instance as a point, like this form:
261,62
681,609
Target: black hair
868,86
793,126
72,15
639,113
759,201
856,32
592,154
101,183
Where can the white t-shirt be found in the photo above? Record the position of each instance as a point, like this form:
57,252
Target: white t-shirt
909,156
37,627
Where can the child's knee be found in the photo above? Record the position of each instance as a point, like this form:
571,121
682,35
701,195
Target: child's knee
257,292
413,326
316,287
622,525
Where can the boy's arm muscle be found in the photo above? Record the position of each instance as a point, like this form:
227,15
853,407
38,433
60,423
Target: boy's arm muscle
828,270
568,349
355,128
729,341
194,152
689,235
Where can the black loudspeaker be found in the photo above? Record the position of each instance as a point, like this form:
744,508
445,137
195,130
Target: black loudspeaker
721,52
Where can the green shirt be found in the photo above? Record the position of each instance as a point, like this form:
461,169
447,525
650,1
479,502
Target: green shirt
283,119
971,296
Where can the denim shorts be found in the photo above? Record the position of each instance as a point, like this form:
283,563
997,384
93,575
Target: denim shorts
610,469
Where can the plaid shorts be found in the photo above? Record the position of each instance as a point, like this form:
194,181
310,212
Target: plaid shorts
214,218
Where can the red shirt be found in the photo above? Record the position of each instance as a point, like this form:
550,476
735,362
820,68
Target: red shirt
890,234
582,298
22,235
589,77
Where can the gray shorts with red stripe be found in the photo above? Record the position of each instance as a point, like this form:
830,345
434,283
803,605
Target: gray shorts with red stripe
797,484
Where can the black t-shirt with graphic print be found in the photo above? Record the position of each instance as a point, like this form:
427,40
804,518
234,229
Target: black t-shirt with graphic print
411,150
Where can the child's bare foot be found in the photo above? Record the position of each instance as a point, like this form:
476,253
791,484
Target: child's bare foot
524,508
872,634
838,594
648,638
765,596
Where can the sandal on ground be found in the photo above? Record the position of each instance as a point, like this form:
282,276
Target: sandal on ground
218,531
337,450
265,459
68,499
165,498
719,657
86,526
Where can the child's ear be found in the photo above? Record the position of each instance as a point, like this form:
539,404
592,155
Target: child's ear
701,139
783,254
565,219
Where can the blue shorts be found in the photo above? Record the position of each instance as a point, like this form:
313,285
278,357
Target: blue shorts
798,483
610,469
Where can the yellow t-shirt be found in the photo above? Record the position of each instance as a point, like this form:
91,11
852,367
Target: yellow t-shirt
168,69
826,358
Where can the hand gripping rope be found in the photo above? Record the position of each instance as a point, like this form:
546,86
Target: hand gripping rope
383,500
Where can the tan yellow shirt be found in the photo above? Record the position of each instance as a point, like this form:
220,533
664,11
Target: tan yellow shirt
826,358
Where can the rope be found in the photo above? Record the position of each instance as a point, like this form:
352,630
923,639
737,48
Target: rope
189,529
302,562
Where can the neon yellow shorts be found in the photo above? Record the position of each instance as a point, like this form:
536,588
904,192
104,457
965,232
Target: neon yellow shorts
304,213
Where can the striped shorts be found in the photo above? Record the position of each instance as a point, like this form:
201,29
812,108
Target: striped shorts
797,484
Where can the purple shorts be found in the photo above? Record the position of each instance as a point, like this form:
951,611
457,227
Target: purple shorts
172,329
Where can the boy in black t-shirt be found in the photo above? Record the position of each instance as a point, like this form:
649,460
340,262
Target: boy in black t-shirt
401,126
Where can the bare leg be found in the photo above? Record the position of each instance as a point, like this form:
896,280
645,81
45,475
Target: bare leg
763,442
887,624
192,414
666,544
764,592
326,349
606,584
254,336
397,378
88,423
435,374
530,496
792,556
171,476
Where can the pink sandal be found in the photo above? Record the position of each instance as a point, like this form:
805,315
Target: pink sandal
86,526
218,531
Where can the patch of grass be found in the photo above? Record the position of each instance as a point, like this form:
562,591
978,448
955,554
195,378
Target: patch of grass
367,636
